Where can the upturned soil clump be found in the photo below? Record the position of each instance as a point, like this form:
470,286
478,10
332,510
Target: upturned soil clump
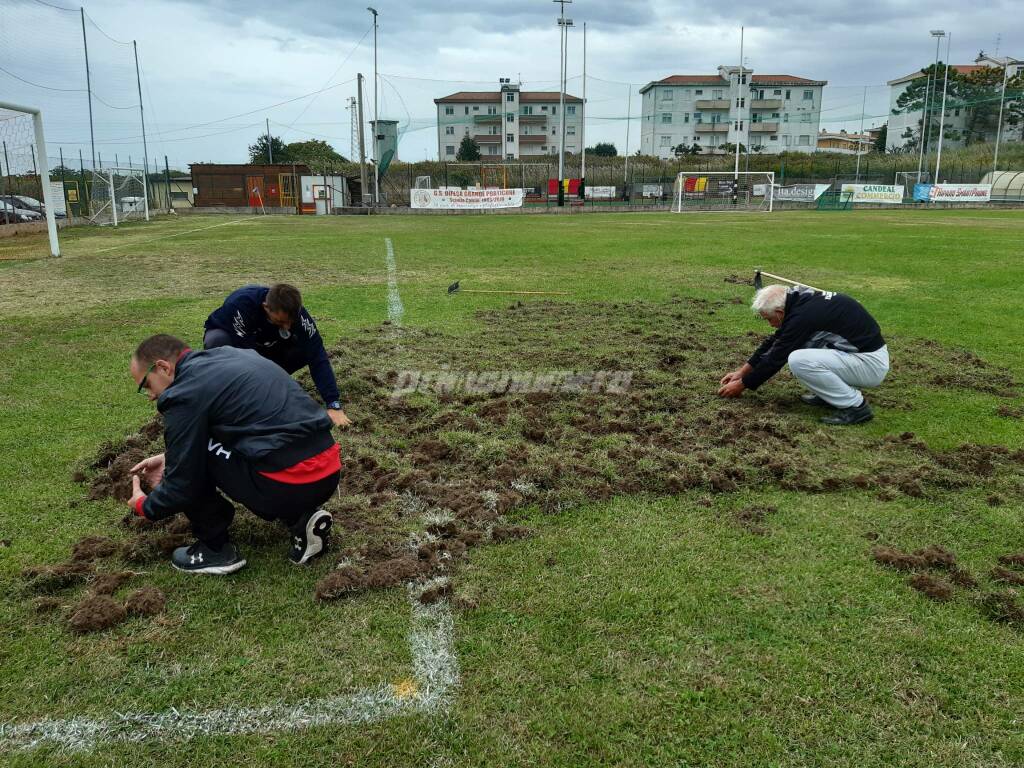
437,461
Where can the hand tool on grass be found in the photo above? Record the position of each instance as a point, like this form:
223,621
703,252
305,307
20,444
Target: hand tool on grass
454,288
758,283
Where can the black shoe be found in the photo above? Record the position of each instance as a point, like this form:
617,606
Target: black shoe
845,417
310,537
812,399
199,558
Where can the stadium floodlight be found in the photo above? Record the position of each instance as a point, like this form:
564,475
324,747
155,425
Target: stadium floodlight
24,125
376,124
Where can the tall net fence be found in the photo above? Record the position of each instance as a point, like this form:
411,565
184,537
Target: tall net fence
118,195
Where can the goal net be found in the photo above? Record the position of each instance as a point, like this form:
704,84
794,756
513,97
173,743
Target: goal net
27,196
723,191
118,195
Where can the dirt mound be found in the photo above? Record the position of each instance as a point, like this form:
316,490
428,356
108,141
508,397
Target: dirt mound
936,557
931,586
751,519
1004,607
894,558
93,548
53,578
147,601
1014,559
1006,576
95,612
109,583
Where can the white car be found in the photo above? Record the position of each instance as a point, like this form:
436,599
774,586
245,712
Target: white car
8,213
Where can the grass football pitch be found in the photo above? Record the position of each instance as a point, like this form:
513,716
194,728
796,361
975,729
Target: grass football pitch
672,605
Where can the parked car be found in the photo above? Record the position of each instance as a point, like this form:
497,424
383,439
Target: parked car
14,215
29,204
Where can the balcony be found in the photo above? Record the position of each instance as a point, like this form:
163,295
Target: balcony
477,119
764,127
533,138
766,103
488,138
711,127
533,119
712,103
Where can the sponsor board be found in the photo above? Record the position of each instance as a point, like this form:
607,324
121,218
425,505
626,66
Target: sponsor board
600,193
887,194
466,199
953,193
652,190
800,193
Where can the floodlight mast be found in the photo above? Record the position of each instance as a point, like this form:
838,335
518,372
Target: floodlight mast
563,39
376,125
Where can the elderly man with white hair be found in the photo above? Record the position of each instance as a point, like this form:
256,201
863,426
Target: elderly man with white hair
832,344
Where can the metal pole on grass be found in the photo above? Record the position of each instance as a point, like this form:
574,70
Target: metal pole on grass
363,182
739,111
999,125
88,88
64,184
858,145
376,125
142,119
270,144
942,111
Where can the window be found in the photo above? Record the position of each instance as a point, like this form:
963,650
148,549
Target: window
686,117
570,109
777,92
699,91
554,110
804,141
774,138
510,137
666,117
666,94
698,117
476,109
510,97
510,117
449,130
805,117
493,130
467,110
666,141
775,115
788,93
716,94
510,156
808,95
715,117
544,108
526,110
570,130
956,113
785,141
544,148
449,150
449,110
492,110
492,149
554,131
785,117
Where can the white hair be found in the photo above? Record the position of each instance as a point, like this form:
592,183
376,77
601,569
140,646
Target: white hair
769,299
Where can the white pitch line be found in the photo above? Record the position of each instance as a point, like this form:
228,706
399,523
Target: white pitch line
395,308
174,234
435,670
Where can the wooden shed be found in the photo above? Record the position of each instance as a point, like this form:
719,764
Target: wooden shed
247,186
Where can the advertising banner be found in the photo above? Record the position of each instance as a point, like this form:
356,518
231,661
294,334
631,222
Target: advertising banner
800,193
466,199
954,193
888,194
600,193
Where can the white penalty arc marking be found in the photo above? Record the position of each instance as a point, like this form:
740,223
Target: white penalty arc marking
435,677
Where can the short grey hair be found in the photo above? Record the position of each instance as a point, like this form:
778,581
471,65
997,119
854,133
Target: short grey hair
769,299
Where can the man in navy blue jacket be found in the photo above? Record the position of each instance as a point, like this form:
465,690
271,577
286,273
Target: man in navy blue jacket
272,321
832,344
234,424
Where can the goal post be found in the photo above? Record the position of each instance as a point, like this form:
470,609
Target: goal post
118,195
29,141
723,191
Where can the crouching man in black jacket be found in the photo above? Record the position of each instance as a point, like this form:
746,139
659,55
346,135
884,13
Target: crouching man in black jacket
832,344
234,423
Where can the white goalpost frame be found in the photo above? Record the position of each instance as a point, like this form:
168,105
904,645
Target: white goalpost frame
106,177
44,165
766,177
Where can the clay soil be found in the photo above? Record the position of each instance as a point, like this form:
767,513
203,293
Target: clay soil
432,473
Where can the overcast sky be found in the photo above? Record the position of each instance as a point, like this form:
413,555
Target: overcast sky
205,63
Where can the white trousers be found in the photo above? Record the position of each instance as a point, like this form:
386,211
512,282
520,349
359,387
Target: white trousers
834,376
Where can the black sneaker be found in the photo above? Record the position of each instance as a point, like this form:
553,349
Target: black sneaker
844,417
812,399
310,537
199,558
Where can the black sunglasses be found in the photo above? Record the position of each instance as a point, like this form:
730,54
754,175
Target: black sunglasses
145,379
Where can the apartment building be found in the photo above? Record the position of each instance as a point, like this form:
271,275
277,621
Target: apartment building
903,124
767,113
508,124
844,143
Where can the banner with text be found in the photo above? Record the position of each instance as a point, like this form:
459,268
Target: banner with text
800,193
466,199
600,193
953,193
888,194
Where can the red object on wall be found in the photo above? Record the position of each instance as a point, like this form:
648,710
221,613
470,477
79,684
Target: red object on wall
574,186
552,186
690,184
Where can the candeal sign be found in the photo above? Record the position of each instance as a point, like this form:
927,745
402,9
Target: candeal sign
466,199
874,193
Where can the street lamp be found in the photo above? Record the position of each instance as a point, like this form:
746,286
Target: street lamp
932,93
563,39
376,125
